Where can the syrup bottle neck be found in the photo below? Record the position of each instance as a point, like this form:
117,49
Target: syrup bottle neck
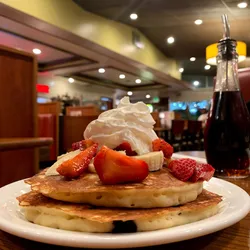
227,66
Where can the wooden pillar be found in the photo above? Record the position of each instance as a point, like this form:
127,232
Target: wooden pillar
18,112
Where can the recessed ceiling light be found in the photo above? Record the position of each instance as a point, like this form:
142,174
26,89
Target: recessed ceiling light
192,59
138,81
129,93
181,70
101,70
196,83
37,51
170,40
122,76
71,80
133,16
148,96
207,67
242,5
198,22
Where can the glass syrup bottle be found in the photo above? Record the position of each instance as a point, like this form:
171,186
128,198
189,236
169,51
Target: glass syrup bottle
226,138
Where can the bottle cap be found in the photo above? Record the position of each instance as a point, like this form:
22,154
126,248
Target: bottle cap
227,46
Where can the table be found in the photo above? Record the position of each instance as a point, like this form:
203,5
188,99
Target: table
235,237
21,143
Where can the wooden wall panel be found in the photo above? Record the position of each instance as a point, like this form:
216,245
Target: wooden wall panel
53,108
82,111
73,128
18,113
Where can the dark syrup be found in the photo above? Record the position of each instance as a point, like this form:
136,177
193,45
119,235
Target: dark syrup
227,135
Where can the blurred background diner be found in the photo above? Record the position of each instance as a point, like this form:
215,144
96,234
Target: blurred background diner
64,62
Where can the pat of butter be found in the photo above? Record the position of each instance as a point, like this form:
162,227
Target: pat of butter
60,160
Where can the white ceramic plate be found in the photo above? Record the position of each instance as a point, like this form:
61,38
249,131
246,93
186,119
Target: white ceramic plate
235,206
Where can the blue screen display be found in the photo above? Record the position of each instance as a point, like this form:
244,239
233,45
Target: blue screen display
192,106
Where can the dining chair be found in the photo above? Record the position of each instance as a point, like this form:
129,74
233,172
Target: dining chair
194,135
177,133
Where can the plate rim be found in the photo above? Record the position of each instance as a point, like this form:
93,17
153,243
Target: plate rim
111,240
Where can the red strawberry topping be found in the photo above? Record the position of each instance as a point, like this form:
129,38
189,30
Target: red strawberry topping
161,145
113,167
74,167
189,170
202,172
182,169
125,146
82,144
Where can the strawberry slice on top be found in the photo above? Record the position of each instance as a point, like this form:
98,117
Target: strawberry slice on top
161,145
83,144
189,170
74,167
182,169
202,172
125,146
113,167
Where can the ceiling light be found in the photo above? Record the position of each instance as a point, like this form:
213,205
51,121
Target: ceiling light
242,5
71,80
192,59
148,96
101,70
138,81
196,83
181,70
198,22
129,93
133,16
212,52
170,40
207,67
37,51
122,76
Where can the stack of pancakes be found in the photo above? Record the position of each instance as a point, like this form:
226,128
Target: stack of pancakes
85,204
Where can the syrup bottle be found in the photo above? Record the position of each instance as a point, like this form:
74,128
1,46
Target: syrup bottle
226,138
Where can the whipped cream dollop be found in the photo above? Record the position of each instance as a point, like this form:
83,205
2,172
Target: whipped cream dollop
130,122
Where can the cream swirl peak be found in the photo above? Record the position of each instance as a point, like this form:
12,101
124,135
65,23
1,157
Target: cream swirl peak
130,122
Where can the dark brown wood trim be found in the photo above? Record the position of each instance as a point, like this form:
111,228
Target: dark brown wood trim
65,63
36,23
103,81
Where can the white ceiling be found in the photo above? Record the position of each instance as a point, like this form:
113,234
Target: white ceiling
48,54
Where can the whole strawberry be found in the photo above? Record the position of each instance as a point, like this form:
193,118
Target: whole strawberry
182,169
161,145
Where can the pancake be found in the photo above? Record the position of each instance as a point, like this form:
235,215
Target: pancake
79,217
159,189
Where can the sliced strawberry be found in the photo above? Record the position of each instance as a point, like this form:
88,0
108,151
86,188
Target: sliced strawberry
182,169
161,145
82,144
113,167
203,172
125,146
74,167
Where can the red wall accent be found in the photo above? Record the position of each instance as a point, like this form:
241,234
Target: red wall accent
41,88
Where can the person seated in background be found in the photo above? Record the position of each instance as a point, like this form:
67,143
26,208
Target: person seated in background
203,117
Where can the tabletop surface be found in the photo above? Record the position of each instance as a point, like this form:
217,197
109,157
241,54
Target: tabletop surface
235,237
20,143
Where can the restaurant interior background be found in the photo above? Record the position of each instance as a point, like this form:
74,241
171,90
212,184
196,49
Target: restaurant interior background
64,62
